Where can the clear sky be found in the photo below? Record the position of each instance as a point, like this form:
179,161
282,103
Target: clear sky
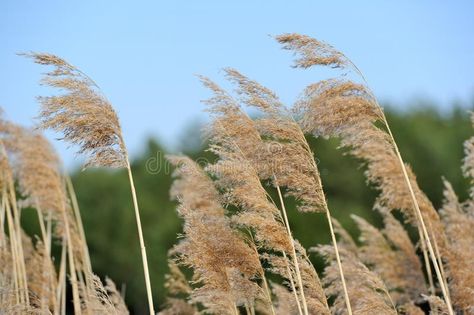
144,54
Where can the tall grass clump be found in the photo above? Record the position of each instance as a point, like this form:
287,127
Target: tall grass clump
348,110
237,253
31,281
268,155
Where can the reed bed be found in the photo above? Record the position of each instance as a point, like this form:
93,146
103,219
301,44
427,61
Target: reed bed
237,253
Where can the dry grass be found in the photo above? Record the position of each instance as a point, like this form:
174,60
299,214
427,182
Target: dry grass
235,236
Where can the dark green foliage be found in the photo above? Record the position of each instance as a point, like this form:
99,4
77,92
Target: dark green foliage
432,142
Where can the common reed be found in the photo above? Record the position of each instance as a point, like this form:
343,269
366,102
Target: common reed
368,292
87,119
237,142
223,263
458,219
382,271
34,285
274,146
400,271
238,253
342,108
40,180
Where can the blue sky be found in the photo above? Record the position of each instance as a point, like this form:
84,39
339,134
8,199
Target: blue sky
144,54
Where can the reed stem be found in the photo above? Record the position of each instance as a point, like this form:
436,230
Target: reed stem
421,220
295,258
142,242
77,216
339,264
72,267
292,284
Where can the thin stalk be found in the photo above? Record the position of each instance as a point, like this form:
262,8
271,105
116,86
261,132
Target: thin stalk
46,235
421,220
16,218
295,258
2,222
440,262
416,206
49,233
63,296
72,267
82,235
339,264
61,280
47,256
292,284
142,242
12,235
42,228
247,309
264,278
77,215
314,270
429,274
293,249
331,228
84,288
269,294
236,310
390,299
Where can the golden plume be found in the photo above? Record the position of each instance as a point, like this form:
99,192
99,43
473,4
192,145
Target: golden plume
347,110
86,118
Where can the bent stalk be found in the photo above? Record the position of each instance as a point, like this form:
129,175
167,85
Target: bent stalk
142,242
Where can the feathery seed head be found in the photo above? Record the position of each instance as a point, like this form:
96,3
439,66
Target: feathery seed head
82,114
223,263
312,52
288,159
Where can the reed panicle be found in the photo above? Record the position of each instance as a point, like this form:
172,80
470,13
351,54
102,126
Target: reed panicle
437,305
312,52
367,291
411,309
284,267
176,282
102,299
236,140
345,239
459,257
179,291
402,275
315,296
38,170
285,303
288,153
230,125
42,277
175,306
347,110
39,175
236,177
223,263
413,282
84,116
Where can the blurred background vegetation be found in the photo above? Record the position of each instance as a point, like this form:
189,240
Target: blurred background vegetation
429,139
